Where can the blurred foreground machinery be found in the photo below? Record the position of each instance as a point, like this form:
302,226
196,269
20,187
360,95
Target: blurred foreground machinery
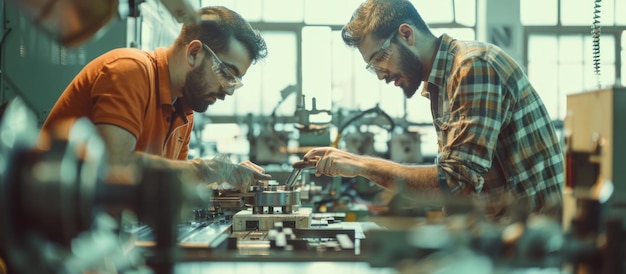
595,182
73,22
55,204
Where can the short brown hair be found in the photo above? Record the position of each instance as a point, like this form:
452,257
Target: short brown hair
217,26
380,18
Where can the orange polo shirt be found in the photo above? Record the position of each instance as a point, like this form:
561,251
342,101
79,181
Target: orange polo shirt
129,88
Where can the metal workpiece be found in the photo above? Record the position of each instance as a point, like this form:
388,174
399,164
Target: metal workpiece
272,196
271,199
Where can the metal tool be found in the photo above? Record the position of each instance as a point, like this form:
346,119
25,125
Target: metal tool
297,169
291,181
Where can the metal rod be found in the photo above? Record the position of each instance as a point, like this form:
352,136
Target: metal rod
291,181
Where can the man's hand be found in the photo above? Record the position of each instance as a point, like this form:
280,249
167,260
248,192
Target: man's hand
330,161
220,173
257,171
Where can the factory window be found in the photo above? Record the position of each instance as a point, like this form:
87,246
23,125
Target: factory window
264,80
306,50
560,53
333,12
329,71
329,12
538,12
562,64
572,12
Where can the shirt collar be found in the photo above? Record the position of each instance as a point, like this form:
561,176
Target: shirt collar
163,78
440,67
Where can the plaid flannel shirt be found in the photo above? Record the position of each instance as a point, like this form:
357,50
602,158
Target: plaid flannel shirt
495,135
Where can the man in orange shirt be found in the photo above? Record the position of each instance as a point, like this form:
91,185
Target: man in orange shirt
142,102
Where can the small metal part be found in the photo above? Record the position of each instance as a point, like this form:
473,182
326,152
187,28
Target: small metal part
280,199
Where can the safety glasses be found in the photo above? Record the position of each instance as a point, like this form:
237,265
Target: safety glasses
227,79
382,55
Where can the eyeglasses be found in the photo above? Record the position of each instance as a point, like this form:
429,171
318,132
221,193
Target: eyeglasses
382,55
227,79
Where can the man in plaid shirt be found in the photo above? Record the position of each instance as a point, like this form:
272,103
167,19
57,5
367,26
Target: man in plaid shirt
497,144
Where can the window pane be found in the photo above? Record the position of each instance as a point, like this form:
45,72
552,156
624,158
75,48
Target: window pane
543,71
607,12
317,11
571,79
538,12
435,11
458,33
607,60
542,77
465,12
581,12
571,49
620,8
542,49
249,9
278,73
571,65
316,52
276,11
343,67
262,85
576,12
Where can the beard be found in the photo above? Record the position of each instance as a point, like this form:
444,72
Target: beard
194,94
413,70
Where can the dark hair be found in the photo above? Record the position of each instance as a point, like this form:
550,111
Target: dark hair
217,26
380,18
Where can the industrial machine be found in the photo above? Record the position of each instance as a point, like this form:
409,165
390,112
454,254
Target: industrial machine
593,135
594,189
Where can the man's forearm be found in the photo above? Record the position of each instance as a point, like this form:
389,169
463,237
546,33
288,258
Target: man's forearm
388,174
129,169
188,169
149,160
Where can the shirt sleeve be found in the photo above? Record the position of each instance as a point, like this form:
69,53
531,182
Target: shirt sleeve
477,104
184,151
120,94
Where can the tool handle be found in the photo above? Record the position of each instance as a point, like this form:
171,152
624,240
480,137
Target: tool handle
304,164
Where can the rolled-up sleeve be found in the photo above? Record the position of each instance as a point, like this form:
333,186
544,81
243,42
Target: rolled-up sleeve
468,132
